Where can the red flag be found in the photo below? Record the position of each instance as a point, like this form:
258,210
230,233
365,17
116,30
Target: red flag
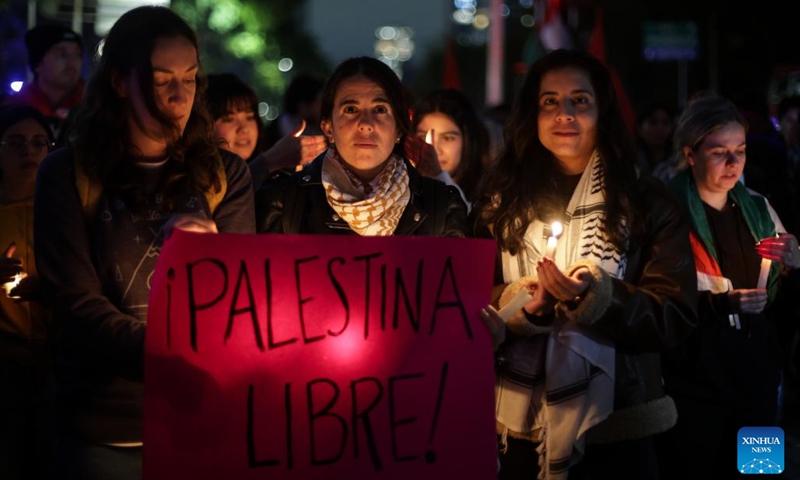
597,47
450,76
597,42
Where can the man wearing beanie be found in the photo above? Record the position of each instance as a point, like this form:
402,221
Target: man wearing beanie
55,57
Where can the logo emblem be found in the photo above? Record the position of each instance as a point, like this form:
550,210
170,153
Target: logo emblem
760,450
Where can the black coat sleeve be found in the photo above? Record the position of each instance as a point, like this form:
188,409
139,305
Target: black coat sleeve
456,216
655,307
270,202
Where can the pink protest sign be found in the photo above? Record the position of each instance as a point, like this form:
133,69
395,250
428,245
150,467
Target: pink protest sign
304,357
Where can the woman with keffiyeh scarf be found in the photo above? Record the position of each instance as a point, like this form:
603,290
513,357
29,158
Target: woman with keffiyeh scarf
363,184
726,376
579,387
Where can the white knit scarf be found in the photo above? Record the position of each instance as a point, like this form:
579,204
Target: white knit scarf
561,383
371,209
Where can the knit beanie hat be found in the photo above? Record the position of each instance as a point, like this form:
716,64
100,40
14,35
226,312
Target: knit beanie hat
41,38
12,114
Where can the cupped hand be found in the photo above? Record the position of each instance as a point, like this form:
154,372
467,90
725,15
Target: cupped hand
29,289
744,300
782,249
562,287
543,302
422,156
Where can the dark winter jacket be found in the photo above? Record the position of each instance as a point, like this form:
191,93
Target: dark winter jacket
98,272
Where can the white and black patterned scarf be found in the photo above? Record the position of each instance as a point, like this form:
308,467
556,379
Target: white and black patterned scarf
562,383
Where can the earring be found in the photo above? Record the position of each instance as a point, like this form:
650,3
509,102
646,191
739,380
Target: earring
398,140
331,139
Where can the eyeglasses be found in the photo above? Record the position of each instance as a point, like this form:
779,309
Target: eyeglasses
18,145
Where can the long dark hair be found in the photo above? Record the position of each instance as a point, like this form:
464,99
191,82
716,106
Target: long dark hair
521,183
101,139
378,72
475,135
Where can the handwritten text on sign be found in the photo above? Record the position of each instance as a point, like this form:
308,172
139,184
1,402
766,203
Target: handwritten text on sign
273,356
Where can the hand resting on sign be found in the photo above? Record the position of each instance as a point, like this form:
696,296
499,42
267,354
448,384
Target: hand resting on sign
189,223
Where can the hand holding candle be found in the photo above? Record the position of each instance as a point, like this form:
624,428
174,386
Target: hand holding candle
520,300
9,266
422,155
552,241
10,286
782,248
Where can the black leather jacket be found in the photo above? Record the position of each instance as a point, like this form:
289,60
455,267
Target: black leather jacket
654,308
297,204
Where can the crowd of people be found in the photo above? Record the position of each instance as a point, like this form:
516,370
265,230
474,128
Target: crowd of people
653,330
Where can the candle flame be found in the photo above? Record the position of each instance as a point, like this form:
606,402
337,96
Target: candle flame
556,229
300,130
429,137
13,283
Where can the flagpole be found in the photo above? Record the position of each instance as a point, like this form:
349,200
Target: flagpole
494,55
32,9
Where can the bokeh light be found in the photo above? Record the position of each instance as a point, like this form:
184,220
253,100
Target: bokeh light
285,64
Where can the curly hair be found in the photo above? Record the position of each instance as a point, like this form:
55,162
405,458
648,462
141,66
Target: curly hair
101,139
521,184
458,108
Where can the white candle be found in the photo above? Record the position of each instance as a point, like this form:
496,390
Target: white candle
552,241
763,275
550,250
520,300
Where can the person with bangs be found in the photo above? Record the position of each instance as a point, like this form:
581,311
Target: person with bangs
234,107
144,148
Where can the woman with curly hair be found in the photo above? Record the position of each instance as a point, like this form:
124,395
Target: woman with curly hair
585,314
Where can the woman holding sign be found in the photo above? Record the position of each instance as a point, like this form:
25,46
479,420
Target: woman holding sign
144,160
363,183
726,376
585,311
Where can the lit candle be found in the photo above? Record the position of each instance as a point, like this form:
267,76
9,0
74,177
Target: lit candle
763,275
552,241
298,134
429,137
13,283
